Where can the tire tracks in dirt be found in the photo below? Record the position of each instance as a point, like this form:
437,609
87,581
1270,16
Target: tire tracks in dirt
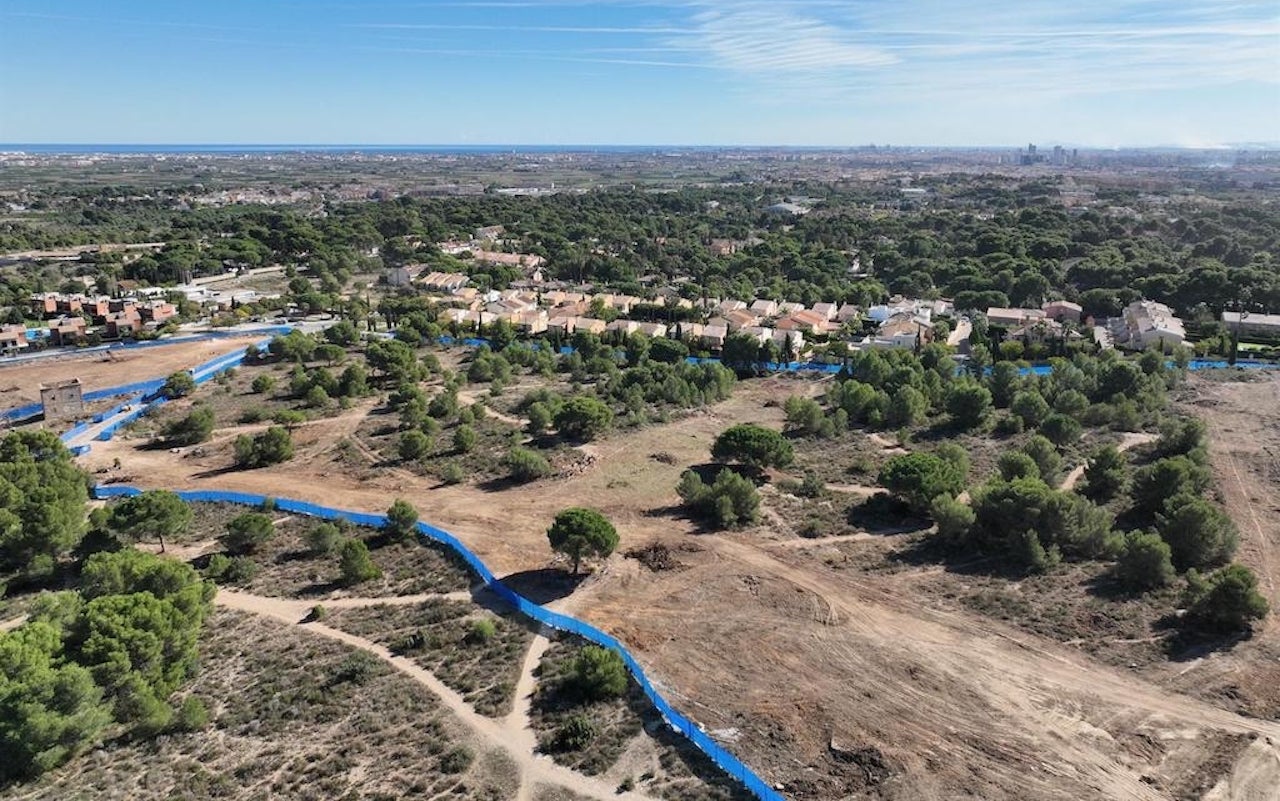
1028,685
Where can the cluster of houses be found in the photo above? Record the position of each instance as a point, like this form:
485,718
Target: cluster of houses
903,323
1055,320
1142,324
69,318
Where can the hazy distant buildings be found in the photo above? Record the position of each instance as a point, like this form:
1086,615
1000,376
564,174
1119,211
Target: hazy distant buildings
1059,157
1030,157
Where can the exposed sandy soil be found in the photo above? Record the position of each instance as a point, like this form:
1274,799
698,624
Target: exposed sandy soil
779,655
1244,449
20,382
1244,445
625,482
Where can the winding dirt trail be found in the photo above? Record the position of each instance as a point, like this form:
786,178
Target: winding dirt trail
1131,439
511,735
470,397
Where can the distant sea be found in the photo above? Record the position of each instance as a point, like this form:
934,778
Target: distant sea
161,149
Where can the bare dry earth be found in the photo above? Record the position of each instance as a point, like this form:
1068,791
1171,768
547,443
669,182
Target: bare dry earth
20,382
1244,448
780,655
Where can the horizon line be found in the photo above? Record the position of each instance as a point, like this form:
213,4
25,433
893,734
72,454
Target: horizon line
16,147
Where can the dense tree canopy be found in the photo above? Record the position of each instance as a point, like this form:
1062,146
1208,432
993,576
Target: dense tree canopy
42,497
578,533
583,417
150,515
752,445
918,478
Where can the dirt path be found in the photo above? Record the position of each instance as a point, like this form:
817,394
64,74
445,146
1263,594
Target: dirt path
757,633
519,718
377,461
1130,440
855,489
515,742
470,397
889,445
818,542
13,623
297,610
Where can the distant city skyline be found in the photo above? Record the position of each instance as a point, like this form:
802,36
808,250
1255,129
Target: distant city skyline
805,73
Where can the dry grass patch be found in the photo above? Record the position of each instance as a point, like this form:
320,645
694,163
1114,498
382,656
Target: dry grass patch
475,651
288,569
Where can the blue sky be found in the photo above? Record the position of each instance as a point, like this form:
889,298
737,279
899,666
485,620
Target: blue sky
786,72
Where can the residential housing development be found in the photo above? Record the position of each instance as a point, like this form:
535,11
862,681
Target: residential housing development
68,318
536,308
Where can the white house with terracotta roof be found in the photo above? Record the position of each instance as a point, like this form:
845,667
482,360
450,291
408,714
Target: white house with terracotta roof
461,316
847,312
714,336
445,282
623,326
803,320
590,325
13,337
1063,311
560,324
530,322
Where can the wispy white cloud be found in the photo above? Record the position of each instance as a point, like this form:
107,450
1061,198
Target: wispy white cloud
822,51
583,29
762,39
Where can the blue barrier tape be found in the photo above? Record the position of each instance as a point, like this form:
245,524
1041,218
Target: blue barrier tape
22,412
726,761
75,431
125,389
